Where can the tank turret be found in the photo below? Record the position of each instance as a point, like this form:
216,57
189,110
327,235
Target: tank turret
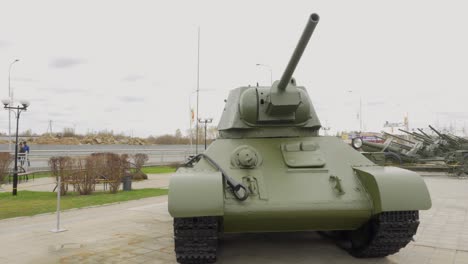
283,108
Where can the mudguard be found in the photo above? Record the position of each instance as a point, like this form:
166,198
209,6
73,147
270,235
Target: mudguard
196,193
394,189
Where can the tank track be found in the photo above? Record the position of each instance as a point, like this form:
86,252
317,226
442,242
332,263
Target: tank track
196,239
384,235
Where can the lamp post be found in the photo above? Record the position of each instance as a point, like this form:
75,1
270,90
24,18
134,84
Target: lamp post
8,105
270,69
10,96
205,121
193,119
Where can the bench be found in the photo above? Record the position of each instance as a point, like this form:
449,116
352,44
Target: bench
24,175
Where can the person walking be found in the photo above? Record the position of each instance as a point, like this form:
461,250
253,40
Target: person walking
26,151
21,154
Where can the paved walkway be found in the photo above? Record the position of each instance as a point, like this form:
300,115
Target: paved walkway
141,232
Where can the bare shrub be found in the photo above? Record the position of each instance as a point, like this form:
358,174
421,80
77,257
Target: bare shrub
114,172
139,175
111,168
139,160
99,161
68,132
62,167
5,160
125,162
85,175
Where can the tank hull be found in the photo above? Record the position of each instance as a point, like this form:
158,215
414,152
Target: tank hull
328,186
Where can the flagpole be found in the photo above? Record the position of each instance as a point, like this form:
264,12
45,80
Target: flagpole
191,121
198,87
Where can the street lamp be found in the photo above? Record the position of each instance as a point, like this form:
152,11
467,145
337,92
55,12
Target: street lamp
194,116
205,121
10,95
8,105
270,69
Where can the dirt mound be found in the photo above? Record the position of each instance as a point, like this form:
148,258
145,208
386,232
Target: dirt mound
87,140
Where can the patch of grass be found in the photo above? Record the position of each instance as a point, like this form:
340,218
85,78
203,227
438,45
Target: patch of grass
41,175
158,169
28,203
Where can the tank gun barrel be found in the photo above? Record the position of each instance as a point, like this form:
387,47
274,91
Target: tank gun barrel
400,138
450,140
380,146
418,137
435,130
454,138
460,139
457,138
401,145
422,132
380,138
406,132
422,136
301,45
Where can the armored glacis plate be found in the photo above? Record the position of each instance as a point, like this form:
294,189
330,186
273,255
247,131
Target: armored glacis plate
302,155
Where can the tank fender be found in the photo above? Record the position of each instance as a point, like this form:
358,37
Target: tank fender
193,194
394,189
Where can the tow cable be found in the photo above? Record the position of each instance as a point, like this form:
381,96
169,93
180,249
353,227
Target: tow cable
233,184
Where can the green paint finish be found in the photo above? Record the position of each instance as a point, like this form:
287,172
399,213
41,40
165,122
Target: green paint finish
345,186
306,194
294,221
292,192
296,179
195,193
394,189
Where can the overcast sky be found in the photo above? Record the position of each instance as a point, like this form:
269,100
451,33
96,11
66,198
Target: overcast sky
131,66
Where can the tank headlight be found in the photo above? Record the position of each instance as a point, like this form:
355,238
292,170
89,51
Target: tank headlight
356,143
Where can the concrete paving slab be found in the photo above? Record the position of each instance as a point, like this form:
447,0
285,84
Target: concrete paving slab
141,232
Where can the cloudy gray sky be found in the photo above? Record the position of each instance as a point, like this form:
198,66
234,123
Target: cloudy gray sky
130,66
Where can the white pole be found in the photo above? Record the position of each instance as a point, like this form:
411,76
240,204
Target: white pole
191,119
10,95
198,87
57,229
360,114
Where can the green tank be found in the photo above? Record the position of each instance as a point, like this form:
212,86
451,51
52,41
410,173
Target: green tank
270,171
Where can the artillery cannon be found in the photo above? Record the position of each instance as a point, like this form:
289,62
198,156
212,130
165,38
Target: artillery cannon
451,142
393,152
419,137
425,149
270,171
424,134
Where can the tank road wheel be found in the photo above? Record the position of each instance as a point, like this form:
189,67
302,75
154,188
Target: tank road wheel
461,170
196,239
392,158
383,235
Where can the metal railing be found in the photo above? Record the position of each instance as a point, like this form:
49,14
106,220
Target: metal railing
38,159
